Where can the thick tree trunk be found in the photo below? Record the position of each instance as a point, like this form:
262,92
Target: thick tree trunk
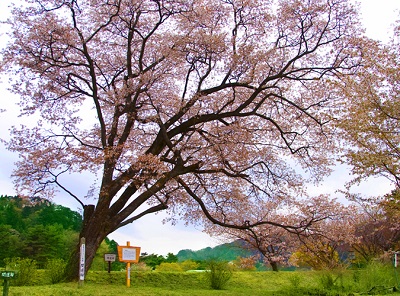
274,265
94,232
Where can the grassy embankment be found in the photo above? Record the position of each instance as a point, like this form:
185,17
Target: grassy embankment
194,284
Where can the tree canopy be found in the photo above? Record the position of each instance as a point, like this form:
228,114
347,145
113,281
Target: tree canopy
370,119
36,229
209,109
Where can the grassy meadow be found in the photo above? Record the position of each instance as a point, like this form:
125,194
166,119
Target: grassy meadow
380,281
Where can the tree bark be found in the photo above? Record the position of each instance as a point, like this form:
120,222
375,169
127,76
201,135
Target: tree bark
274,265
94,230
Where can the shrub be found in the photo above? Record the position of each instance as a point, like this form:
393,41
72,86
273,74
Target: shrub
55,270
189,265
26,270
169,266
337,280
327,280
141,266
218,274
377,275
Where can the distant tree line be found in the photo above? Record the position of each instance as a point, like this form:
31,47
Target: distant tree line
37,229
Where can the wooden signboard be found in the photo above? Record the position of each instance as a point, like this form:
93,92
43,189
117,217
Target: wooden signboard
128,254
110,257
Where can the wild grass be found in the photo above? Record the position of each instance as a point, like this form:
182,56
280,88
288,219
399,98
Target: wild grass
376,280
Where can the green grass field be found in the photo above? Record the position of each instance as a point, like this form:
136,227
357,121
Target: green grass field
194,283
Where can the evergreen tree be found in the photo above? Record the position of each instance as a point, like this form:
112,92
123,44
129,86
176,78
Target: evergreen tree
37,229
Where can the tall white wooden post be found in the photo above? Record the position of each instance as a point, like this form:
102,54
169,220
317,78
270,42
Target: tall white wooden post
82,262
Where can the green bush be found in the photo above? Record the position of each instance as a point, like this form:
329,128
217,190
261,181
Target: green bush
377,275
141,266
189,265
55,270
26,270
337,280
218,274
169,266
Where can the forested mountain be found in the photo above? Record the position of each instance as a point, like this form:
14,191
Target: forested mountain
225,252
37,229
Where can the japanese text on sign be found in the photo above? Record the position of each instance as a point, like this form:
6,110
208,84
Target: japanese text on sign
7,274
128,254
110,257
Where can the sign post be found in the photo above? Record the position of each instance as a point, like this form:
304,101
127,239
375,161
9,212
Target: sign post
396,258
7,275
129,255
128,266
109,258
82,262
395,264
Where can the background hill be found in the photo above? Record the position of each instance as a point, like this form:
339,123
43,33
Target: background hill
226,252
36,229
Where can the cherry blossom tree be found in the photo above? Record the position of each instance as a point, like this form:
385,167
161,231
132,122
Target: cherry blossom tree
369,124
370,119
209,109
323,246
272,242
326,225
377,226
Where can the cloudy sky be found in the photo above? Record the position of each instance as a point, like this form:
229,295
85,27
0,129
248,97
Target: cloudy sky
150,233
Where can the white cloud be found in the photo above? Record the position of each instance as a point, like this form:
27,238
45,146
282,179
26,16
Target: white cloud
153,236
374,186
379,16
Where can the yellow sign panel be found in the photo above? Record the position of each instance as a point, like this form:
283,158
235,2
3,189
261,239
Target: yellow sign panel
128,254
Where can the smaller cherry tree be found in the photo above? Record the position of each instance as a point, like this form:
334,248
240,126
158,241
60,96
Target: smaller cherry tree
377,226
271,243
276,244
327,245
